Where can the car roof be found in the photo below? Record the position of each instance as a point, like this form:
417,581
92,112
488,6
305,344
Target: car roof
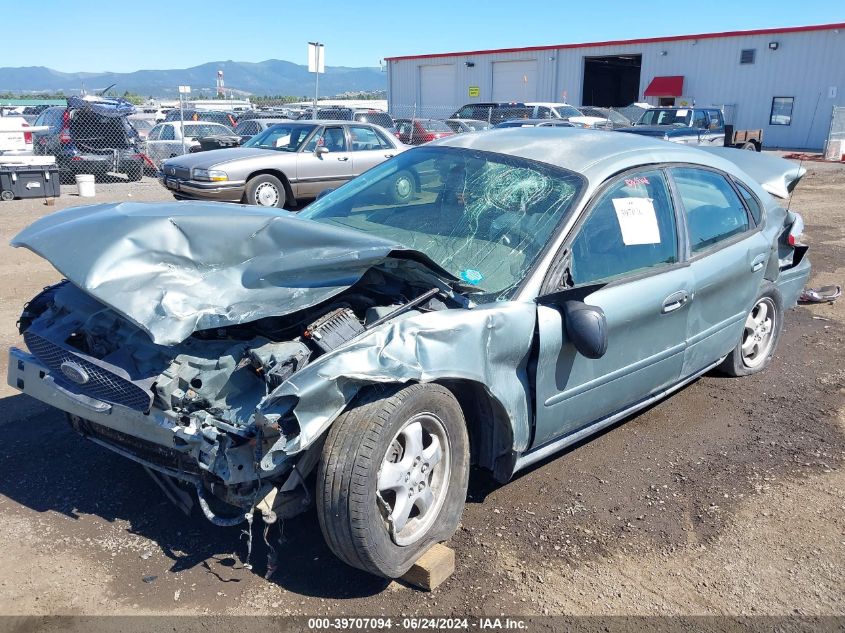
597,154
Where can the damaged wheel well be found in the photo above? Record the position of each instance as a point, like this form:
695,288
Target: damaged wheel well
489,427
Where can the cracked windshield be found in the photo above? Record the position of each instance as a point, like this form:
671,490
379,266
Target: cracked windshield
483,217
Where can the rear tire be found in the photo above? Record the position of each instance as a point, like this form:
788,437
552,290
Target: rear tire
749,145
403,187
760,335
393,477
265,190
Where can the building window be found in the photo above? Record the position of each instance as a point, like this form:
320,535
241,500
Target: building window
747,56
781,111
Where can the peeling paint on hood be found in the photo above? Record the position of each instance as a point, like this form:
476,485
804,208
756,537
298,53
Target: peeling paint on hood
173,269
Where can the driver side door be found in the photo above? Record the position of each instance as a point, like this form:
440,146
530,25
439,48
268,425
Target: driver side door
317,171
625,258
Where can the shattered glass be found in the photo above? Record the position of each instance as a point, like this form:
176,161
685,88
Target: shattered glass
483,217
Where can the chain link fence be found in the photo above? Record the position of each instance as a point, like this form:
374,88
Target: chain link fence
834,148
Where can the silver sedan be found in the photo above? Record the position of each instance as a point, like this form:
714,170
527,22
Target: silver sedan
285,163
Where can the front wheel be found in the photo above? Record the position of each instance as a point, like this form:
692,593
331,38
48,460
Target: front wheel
265,190
393,477
760,335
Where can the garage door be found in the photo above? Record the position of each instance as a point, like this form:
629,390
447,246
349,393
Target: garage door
515,81
437,88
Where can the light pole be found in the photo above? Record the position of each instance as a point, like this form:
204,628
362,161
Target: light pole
316,65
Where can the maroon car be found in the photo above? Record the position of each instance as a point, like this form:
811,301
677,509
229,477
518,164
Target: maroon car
419,131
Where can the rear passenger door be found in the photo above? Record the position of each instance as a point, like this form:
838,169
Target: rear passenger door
728,255
369,148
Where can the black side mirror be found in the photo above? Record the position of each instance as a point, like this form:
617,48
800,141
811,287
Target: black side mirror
586,327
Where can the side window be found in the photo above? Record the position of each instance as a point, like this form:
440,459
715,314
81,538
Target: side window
154,133
699,119
713,210
543,112
167,133
716,120
365,139
750,202
332,138
630,229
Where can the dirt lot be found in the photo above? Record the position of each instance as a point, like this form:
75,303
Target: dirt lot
729,498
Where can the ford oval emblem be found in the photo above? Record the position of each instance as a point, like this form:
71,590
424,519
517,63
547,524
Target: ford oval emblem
171,171
74,372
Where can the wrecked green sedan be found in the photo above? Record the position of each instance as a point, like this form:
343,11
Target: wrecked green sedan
488,299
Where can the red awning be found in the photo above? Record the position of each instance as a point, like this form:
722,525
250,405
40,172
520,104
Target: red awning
671,86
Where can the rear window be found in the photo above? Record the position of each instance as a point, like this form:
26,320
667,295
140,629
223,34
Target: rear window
435,126
376,118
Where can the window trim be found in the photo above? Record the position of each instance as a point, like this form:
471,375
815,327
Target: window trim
556,267
739,186
753,227
791,111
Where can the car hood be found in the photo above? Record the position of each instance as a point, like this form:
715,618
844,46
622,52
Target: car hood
216,157
173,269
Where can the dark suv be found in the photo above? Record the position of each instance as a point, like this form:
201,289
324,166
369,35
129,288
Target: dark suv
494,112
90,137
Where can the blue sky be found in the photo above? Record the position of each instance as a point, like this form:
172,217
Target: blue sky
126,36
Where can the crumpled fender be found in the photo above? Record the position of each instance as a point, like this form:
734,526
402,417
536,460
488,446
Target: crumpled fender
489,344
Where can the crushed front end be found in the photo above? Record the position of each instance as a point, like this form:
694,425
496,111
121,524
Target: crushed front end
190,412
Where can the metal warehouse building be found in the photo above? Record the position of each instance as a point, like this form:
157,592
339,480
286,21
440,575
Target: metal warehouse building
783,80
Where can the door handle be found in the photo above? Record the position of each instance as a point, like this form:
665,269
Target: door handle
674,301
758,263
343,158
389,155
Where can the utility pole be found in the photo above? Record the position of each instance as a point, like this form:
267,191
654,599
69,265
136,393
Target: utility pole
316,65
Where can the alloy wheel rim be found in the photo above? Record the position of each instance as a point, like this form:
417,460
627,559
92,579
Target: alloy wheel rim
758,335
413,479
266,195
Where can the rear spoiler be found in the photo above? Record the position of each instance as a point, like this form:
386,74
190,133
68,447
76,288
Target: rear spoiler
776,175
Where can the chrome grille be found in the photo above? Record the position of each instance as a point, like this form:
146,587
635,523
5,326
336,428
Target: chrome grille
102,384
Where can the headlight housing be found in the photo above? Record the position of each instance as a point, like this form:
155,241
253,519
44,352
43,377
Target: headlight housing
209,175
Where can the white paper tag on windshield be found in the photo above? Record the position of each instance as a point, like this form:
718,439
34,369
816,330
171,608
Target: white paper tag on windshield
637,220
681,112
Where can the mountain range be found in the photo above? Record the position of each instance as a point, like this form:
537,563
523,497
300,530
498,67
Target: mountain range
270,77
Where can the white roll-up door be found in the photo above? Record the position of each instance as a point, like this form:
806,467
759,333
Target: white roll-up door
515,81
437,88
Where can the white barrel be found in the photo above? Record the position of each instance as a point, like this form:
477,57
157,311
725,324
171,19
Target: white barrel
85,185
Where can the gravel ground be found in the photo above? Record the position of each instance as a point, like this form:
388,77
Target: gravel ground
728,498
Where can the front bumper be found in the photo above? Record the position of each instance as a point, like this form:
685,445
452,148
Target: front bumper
219,191
153,439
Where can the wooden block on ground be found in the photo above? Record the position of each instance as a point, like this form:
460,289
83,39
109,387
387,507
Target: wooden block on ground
50,201
432,568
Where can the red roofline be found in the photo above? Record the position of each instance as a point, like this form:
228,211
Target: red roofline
644,40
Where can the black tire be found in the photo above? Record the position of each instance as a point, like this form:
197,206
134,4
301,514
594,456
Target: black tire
749,145
7,195
352,513
737,363
265,187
